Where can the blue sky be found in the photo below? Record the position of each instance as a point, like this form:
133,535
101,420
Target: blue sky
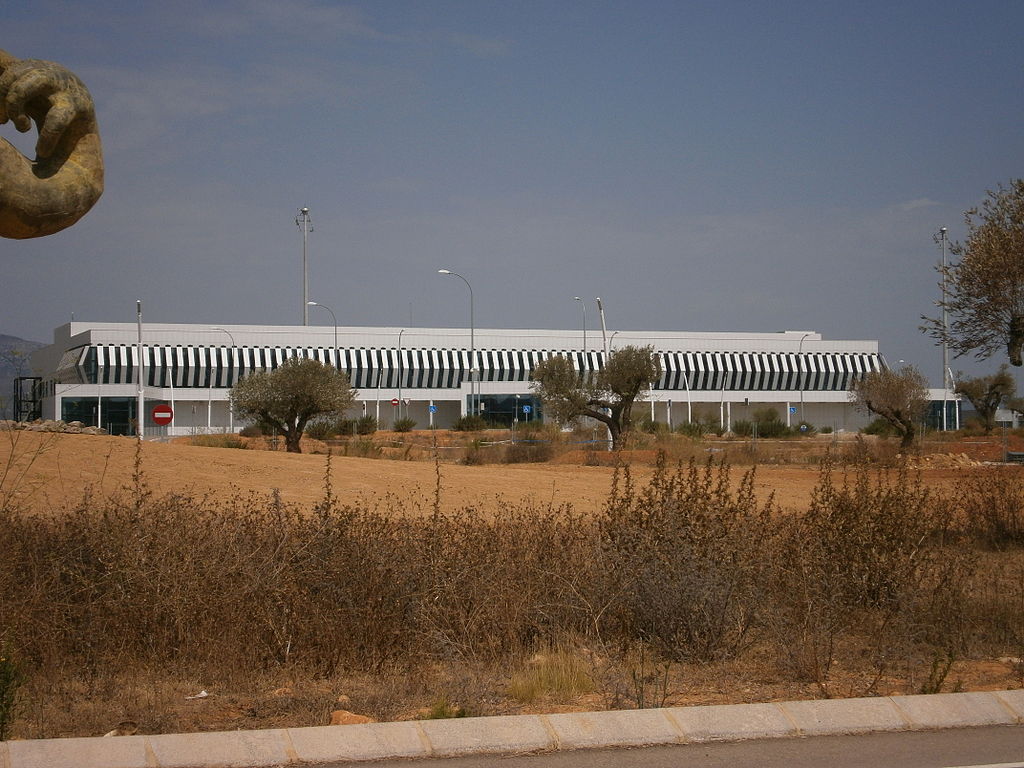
701,166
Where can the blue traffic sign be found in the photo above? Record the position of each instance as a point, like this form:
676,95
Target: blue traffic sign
527,409
433,409
792,409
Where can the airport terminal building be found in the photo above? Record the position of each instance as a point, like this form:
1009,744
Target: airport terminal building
432,375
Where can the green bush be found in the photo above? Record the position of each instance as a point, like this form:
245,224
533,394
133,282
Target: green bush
653,427
770,424
692,429
366,425
743,428
469,424
443,709
766,423
321,429
251,430
826,430
404,425
326,427
879,427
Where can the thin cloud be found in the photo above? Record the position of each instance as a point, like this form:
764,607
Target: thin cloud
289,18
919,203
484,47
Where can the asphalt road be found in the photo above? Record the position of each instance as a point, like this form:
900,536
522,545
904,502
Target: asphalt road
1001,746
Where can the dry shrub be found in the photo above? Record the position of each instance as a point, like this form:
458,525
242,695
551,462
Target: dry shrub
682,567
218,441
561,674
992,507
529,452
865,561
996,617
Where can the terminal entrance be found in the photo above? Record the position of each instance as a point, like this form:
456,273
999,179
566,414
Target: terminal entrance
114,414
504,410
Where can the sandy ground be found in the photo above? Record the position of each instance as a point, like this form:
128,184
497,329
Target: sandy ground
49,471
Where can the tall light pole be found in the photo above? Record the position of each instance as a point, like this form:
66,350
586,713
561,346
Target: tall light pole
400,372
141,405
584,305
800,362
945,330
306,224
604,329
956,402
318,304
231,364
472,340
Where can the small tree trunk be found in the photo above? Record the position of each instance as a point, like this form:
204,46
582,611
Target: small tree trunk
616,433
1015,339
291,441
909,433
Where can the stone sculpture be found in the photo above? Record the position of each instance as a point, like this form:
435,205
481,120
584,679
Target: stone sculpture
45,195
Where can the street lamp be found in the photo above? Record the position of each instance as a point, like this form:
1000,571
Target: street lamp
584,305
306,223
231,412
945,331
604,328
800,362
140,406
956,398
318,304
400,372
472,340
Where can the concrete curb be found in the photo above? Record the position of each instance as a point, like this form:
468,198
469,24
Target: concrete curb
523,733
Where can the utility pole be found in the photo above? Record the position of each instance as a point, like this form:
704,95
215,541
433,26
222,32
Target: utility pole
604,328
306,224
141,370
945,330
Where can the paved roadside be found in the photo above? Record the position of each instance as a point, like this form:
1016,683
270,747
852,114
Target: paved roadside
997,746
524,733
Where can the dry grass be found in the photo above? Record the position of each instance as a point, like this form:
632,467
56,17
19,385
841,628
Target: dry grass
121,606
561,674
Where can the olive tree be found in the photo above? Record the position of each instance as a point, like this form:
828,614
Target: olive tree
606,395
287,397
900,397
988,393
984,293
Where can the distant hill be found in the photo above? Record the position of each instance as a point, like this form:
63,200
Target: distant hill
14,353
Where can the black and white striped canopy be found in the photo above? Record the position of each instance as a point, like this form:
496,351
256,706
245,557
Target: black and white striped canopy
222,366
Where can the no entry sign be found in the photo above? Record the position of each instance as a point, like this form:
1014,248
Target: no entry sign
162,414
394,401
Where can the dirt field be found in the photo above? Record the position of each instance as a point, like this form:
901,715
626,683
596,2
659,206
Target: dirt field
48,471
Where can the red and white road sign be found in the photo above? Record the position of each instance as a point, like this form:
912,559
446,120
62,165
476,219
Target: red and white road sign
394,401
162,414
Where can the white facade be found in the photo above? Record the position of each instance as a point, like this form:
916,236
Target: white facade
89,372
